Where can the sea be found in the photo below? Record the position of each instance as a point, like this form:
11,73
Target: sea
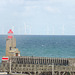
53,46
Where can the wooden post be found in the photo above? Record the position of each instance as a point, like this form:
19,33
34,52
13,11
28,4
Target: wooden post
52,68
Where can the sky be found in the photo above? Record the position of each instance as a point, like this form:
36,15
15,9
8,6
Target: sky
37,17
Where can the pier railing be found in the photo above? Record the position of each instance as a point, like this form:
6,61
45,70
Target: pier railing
40,60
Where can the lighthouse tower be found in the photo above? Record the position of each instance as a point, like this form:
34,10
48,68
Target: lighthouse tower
11,49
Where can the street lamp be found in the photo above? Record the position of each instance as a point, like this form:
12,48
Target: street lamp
52,68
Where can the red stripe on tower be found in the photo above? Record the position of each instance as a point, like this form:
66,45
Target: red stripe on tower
9,37
5,58
10,33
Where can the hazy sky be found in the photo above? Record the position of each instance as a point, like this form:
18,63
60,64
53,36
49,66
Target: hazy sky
38,17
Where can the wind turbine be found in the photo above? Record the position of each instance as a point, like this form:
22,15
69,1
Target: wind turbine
53,30
30,29
25,28
3,30
13,28
63,29
47,30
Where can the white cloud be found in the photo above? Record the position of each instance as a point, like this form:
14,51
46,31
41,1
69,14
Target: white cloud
71,17
28,10
5,2
52,1
16,1
51,9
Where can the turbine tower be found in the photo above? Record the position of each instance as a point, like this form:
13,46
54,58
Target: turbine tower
2,30
25,28
53,30
63,28
19,31
47,30
30,29
13,28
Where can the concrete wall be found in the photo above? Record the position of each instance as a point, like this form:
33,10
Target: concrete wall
37,69
40,60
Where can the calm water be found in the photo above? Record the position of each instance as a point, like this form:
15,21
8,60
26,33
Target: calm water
42,46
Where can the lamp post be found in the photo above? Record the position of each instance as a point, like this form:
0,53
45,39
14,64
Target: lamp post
36,69
10,65
52,68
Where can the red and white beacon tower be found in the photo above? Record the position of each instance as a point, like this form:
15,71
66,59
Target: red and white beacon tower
11,49
10,34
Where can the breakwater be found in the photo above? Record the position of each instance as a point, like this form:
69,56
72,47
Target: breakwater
39,66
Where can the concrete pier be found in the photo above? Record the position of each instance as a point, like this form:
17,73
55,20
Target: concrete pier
15,64
39,66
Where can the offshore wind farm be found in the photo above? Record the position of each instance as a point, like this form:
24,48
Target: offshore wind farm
37,37
42,55
28,30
